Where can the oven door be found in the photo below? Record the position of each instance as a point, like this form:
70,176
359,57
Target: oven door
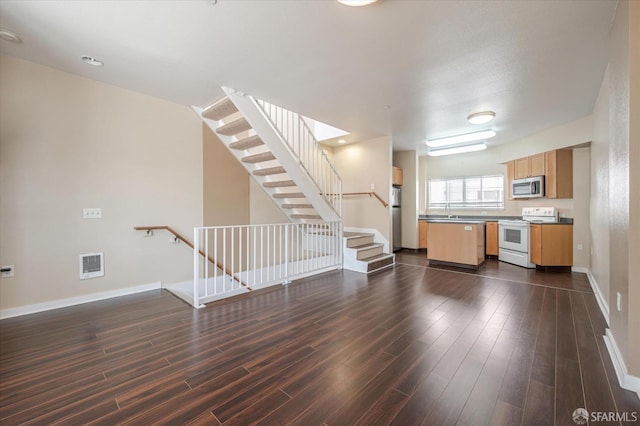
514,235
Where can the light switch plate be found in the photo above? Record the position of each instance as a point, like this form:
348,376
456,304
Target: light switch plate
92,213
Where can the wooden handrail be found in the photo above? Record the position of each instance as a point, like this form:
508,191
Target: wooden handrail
187,242
370,194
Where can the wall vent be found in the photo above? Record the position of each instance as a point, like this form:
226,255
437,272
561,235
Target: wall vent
91,265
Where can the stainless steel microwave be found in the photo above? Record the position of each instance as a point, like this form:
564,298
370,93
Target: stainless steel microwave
532,187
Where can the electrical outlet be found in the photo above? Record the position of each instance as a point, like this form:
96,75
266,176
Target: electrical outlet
580,247
92,213
373,186
6,271
619,301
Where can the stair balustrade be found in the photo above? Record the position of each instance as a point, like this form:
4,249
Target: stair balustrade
300,139
257,256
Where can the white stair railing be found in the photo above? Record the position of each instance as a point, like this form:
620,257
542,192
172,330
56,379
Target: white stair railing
257,256
311,157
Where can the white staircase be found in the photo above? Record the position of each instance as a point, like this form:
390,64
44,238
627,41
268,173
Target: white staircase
363,254
280,153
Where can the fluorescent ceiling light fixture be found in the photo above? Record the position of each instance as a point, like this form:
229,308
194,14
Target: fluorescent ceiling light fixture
458,149
481,117
357,2
467,137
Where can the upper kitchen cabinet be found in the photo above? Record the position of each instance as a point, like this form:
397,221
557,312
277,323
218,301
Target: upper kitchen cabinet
529,166
397,176
556,167
559,173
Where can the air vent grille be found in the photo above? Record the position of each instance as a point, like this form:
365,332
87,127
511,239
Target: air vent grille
91,265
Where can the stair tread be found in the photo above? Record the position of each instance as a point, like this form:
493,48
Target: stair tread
367,246
269,171
381,256
305,216
349,235
246,143
297,206
220,109
289,195
259,158
278,184
233,128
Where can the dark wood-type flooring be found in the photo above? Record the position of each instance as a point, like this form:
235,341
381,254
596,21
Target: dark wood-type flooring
406,346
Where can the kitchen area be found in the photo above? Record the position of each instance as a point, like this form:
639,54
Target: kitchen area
534,229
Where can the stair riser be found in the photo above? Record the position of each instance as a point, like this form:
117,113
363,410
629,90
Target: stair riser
374,266
363,254
359,241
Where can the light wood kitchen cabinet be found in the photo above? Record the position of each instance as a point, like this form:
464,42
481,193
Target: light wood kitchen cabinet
491,235
559,173
422,234
529,166
397,176
461,243
551,245
510,176
556,167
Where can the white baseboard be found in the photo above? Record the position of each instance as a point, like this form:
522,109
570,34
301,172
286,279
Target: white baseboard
602,303
626,380
580,269
71,301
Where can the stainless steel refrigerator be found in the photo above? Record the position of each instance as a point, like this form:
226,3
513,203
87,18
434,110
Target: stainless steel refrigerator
396,218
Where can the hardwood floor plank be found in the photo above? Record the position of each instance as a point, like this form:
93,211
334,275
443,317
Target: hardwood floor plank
408,345
539,408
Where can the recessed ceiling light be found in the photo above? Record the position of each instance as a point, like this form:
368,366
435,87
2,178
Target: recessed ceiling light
357,2
481,117
341,141
10,36
458,149
467,137
92,61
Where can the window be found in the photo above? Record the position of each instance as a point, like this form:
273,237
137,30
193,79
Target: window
479,192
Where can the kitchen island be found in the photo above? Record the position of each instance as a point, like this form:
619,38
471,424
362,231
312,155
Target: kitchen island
457,242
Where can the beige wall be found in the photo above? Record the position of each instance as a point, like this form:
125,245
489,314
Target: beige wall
624,164
408,161
361,165
599,192
67,143
263,208
225,185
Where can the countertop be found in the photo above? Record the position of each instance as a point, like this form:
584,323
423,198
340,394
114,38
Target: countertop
485,218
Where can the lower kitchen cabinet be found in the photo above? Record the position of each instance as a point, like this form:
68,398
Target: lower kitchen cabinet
422,234
456,242
551,245
491,235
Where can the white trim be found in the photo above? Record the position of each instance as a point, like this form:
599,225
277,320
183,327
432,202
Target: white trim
71,301
581,269
377,236
626,380
604,306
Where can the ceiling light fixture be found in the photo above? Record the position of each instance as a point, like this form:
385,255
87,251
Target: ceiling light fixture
10,36
458,149
481,117
341,141
92,61
357,2
467,137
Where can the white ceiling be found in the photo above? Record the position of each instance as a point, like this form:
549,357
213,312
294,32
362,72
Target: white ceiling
409,69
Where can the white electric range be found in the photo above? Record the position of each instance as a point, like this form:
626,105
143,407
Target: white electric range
513,240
